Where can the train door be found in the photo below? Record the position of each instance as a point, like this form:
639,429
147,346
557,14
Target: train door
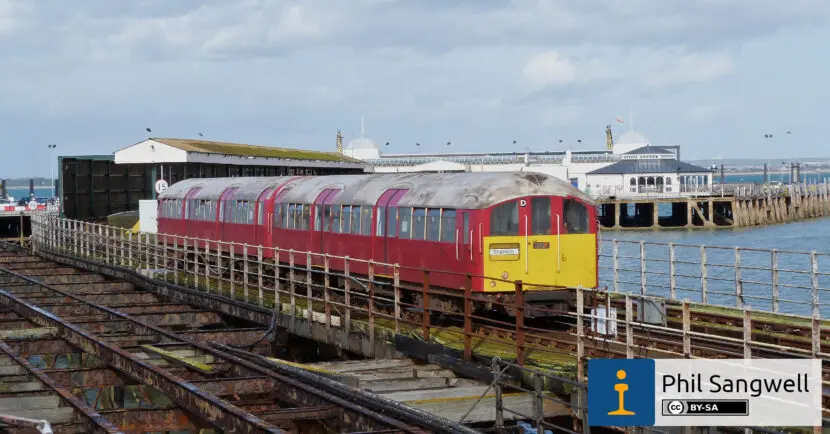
542,225
263,226
227,214
192,228
386,228
578,260
322,222
463,241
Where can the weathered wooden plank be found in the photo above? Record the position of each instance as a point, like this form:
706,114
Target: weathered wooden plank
35,332
366,365
485,410
447,393
53,415
30,402
382,386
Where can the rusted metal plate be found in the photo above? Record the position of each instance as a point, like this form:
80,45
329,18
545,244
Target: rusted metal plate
106,299
141,420
97,423
219,412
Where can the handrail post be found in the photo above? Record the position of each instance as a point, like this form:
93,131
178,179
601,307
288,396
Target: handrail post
232,265
814,283
739,288
326,294
687,326
616,255
396,284
672,273
580,334
372,307
642,268
425,306
207,266
468,319
520,323
292,292
308,290
347,301
704,280
747,334
258,273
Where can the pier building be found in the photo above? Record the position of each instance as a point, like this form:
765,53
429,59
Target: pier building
94,187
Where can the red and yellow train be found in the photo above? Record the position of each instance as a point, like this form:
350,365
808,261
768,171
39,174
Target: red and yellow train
509,226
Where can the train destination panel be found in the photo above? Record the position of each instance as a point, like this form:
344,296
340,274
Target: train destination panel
701,392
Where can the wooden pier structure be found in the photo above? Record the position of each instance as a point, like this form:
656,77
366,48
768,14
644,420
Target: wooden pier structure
725,206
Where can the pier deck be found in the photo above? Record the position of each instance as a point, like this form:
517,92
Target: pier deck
725,207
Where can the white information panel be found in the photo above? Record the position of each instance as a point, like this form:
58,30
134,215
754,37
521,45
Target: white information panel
737,392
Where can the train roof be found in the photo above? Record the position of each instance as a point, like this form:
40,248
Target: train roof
439,190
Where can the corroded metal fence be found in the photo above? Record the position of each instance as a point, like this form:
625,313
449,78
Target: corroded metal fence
786,281
639,315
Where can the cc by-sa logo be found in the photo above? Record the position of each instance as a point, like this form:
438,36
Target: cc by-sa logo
676,407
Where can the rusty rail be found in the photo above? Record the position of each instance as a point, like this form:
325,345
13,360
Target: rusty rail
190,396
95,422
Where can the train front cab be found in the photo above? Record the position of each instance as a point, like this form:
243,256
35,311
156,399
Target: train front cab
547,242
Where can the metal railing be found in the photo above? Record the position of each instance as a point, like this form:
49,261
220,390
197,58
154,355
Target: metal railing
628,323
785,281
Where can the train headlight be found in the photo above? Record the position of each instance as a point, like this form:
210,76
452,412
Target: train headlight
492,283
504,275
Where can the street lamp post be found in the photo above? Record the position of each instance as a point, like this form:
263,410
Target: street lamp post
52,168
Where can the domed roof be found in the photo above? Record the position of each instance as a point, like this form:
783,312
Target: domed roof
631,138
362,143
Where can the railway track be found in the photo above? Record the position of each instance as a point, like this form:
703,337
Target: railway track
136,362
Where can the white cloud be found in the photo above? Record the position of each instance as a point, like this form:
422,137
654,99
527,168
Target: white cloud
476,73
691,68
548,69
11,12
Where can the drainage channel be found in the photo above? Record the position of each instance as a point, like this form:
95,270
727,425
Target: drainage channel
136,362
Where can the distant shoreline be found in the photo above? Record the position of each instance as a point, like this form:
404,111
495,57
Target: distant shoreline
17,187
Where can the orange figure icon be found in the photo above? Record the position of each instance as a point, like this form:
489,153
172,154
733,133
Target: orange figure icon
621,388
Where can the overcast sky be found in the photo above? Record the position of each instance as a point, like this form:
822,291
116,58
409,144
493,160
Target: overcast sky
713,76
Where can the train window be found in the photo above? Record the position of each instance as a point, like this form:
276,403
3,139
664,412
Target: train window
318,217
433,225
391,220
289,216
540,214
278,215
326,218
305,217
355,228
504,220
448,225
335,218
381,222
405,220
419,220
346,224
366,220
576,217
466,228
